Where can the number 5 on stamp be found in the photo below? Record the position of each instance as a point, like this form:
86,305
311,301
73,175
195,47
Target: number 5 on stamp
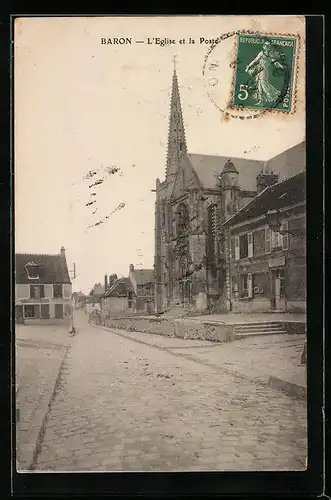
264,72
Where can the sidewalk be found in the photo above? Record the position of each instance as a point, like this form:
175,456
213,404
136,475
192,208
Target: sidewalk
40,351
273,360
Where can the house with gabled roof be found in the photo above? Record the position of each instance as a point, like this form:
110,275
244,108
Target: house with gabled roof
117,299
142,283
43,290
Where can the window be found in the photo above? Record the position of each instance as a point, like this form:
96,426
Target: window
31,311
32,270
246,289
243,246
37,291
57,291
277,240
243,288
235,288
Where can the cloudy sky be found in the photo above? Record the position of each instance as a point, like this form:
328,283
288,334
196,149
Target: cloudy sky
82,106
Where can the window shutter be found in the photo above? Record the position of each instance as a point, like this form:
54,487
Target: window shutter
236,247
285,236
250,285
232,249
250,244
32,295
42,291
267,240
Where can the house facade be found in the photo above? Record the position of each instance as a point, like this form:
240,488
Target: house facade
142,285
117,299
43,290
93,300
199,193
266,261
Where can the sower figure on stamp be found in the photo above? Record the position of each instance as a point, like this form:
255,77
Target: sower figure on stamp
259,69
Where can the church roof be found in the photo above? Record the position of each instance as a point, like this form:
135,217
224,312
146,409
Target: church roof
208,168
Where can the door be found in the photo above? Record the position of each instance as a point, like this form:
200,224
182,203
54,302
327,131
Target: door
279,289
45,311
58,311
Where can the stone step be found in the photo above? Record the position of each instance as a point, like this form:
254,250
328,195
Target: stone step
259,326
239,335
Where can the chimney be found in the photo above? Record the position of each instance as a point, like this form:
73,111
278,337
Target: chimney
106,282
265,179
112,279
63,251
131,268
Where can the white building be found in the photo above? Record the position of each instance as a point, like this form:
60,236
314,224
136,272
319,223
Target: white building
43,290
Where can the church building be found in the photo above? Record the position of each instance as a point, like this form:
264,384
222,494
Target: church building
199,193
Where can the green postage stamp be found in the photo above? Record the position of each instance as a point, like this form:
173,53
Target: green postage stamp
264,72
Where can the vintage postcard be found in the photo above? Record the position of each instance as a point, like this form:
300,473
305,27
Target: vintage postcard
160,243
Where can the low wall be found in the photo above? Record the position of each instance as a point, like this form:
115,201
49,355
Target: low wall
296,306
251,305
185,329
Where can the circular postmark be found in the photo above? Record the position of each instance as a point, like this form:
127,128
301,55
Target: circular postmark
248,73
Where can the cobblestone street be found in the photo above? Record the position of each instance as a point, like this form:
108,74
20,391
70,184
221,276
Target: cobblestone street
123,405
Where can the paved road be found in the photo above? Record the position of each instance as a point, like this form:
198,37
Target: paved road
122,405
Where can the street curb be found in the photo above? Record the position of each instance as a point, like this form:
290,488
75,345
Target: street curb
45,412
273,382
289,388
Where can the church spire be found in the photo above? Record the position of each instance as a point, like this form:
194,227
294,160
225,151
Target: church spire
176,134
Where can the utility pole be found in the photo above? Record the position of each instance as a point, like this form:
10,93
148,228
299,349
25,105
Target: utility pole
72,329
158,251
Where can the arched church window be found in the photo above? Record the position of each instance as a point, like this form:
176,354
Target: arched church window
163,214
182,219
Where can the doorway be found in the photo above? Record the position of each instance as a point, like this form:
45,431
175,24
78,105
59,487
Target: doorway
278,286
45,311
59,311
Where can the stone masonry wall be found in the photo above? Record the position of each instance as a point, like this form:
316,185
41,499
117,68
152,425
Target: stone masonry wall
181,328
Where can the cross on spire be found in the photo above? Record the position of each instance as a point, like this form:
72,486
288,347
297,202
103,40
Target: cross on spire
175,62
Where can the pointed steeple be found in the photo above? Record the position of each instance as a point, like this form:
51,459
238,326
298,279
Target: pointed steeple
176,134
